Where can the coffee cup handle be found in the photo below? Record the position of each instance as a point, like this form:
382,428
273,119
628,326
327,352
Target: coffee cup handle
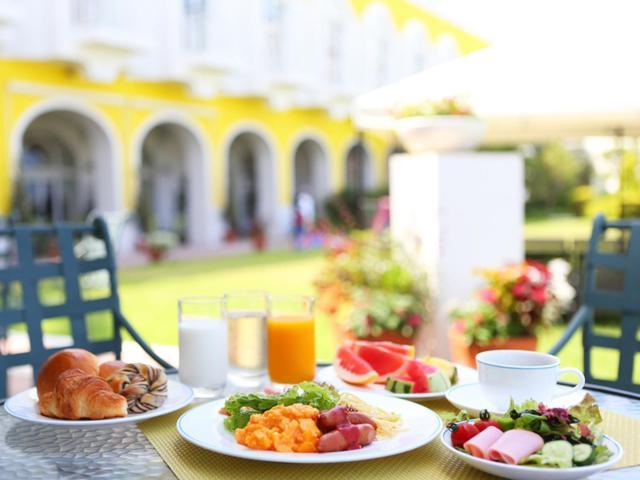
579,386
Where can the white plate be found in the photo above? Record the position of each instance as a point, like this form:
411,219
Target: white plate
203,426
328,374
25,406
469,397
523,472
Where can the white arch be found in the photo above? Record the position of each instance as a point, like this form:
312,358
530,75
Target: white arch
319,141
379,41
77,106
200,214
446,48
370,178
276,222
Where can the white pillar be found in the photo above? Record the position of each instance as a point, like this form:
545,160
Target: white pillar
457,212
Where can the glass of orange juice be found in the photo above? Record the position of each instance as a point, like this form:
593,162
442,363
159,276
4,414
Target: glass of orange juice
291,348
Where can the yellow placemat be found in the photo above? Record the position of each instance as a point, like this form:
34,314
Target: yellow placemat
432,461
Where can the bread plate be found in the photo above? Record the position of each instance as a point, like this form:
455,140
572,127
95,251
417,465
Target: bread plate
329,375
203,426
526,472
24,406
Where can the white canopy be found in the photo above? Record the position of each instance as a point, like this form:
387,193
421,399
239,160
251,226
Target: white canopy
534,92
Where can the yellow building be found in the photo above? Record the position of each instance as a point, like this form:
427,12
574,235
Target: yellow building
198,115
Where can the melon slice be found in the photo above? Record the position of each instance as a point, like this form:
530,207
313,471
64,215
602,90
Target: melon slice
419,375
353,369
408,350
383,361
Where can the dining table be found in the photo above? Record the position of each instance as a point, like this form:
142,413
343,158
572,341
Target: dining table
34,451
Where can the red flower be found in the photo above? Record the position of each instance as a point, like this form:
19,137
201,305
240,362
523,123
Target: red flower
414,320
539,295
488,295
521,289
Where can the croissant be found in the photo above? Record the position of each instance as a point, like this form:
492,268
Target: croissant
144,386
77,395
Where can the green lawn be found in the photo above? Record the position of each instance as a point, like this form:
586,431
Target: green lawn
564,227
149,294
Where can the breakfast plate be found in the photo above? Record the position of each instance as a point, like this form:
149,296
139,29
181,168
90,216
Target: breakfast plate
24,406
469,397
203,426
525,472
465,375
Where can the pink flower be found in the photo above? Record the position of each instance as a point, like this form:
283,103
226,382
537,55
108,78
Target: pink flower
414,320
458,325
488,295
521,290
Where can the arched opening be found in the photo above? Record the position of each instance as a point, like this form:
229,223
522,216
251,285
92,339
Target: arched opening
358,168
65,169
172,193
311,175
251,189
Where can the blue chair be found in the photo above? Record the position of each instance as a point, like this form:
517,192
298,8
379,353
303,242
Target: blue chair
623,301
24,276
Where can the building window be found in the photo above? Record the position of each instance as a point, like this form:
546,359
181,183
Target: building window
196,25
274,24
91,13
336,35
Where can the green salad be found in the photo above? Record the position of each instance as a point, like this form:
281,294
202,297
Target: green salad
563,438
240,406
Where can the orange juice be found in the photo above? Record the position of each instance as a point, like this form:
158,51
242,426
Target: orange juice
291,348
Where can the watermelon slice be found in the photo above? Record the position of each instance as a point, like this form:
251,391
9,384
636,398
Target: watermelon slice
353,369
383,361
407,350
417,372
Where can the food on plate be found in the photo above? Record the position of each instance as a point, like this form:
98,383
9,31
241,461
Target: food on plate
71,386
365,362
61,361
534,434
109,368
144,386
77,395
308,417
282,428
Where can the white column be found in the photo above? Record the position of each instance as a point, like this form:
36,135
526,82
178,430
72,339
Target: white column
457,212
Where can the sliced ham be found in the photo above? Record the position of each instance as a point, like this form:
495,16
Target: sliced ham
479,445
515,445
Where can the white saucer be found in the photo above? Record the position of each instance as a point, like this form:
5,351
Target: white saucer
469,397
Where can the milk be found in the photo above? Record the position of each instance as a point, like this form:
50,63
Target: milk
204,358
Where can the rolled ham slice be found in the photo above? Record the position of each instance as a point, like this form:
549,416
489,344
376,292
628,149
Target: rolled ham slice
515,445
479,445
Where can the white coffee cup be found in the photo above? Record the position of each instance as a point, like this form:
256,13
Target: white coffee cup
521,375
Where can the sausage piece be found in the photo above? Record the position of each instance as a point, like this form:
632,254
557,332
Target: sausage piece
329,420
336,441
357,418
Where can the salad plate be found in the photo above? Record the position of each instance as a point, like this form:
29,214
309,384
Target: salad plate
466,375
24,406
525,472
534,441
204,426
469,397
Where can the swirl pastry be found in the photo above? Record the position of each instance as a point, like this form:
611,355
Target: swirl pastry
144,386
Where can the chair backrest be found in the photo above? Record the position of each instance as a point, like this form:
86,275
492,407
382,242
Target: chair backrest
620,298
91,320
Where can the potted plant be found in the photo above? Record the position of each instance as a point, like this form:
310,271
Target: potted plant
158,243
438,126
370,290
516,301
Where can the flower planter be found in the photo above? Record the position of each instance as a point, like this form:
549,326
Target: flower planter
439,133
465,354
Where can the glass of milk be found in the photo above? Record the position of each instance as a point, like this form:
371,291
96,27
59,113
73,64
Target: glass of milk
204,357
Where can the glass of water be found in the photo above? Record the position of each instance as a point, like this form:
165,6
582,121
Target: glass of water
246,315
203,349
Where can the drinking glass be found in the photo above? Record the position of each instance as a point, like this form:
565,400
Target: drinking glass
202,332
291,339
246,315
